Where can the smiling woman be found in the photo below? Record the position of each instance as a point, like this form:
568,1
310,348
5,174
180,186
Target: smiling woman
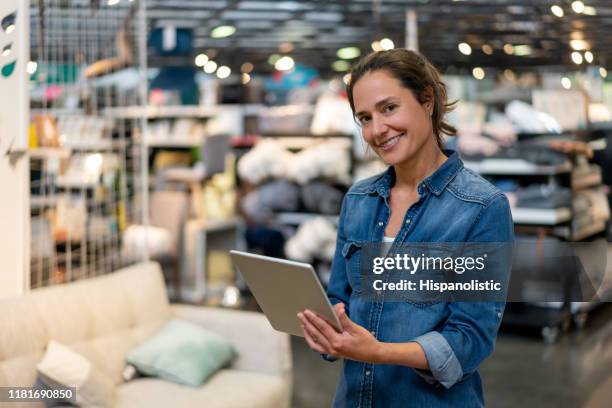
408,72
408,353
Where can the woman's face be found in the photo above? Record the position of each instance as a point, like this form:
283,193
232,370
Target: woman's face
393,121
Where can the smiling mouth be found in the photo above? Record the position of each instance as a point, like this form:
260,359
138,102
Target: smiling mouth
390,142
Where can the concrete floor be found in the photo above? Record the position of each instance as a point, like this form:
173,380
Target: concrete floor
523,372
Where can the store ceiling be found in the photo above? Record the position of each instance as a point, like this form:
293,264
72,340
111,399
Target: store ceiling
317,29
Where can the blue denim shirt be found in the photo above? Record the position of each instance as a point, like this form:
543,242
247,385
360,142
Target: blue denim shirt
454,205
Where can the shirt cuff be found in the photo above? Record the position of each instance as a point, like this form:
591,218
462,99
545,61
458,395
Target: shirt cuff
443,364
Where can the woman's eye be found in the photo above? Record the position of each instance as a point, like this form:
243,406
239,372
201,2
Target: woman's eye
364,119
389,108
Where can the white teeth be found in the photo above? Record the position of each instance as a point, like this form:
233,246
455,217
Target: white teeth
389,142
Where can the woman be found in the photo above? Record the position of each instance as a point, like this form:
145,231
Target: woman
408,354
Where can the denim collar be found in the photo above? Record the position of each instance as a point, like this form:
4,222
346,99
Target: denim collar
436,183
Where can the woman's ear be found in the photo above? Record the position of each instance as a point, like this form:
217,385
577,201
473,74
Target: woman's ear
428,99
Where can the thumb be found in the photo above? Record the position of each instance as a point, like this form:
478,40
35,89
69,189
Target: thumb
343,317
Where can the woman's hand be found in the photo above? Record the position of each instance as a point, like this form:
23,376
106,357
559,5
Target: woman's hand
353,343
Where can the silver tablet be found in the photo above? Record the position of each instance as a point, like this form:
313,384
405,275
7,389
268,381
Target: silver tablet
283,288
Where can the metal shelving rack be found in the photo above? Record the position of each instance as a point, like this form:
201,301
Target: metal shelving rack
551,320
82,55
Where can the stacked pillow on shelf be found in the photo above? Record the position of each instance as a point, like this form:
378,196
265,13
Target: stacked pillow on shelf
270,159
288,182
314,239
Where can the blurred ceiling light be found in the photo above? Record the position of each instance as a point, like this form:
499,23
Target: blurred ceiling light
340,66
285,47
603,72
32,66
223,72
346,79
246,78
464,48
201,60
210,67
7,50
348,52
478,73
589,11
246,67
588,56
508,49
577,57
577,35
284,63
566,83
9,29
557,10
222,31
487,49
273,58
522,50
578,6
113,2
509,75
376,46
387,44
579,45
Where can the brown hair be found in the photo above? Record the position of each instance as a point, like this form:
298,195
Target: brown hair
415,73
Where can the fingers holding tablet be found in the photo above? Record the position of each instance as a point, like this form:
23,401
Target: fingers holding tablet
312,340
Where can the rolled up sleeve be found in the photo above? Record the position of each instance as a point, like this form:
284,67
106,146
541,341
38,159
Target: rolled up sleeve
444,367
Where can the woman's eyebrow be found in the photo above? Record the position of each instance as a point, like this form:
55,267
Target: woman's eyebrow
378,104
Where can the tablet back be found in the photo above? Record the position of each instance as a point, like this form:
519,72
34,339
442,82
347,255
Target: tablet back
282,289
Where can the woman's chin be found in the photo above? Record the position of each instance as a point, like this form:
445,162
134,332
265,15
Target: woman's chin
394,157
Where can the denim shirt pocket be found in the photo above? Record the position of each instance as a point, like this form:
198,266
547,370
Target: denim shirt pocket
352,256
422,300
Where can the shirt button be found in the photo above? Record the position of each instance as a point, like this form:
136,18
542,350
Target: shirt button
499,314
367,372
380,223
407,221
374,333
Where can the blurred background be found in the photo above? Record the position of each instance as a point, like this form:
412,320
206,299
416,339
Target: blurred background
175,130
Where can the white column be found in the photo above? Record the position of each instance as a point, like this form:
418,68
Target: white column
412,31
14,161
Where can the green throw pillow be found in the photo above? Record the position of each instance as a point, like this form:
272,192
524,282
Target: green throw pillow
182,352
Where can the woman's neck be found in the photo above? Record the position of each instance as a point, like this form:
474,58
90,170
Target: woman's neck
424,163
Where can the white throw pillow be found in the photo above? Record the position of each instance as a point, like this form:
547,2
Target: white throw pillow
62,367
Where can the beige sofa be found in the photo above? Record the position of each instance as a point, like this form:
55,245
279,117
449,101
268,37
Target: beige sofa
106,317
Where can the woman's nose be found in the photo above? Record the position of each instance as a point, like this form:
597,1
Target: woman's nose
379,127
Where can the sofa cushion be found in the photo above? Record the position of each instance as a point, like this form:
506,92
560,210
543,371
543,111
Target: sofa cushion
22,329
19,371
227,388
108,353
182,352
80,311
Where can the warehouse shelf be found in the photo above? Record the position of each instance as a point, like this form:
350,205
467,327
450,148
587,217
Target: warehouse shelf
516,167
540,216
